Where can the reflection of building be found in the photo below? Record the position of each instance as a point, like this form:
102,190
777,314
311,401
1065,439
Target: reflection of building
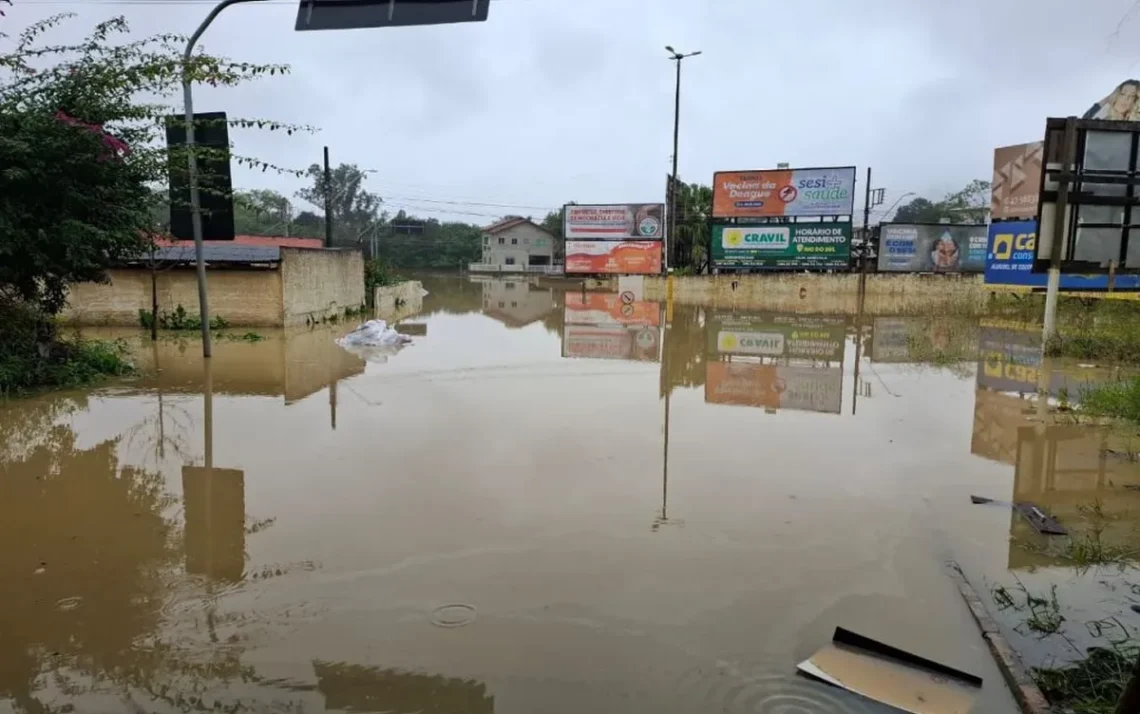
602,326
997,419
516,244
356,688
292,364
514,302
1073,472
214,504
776,361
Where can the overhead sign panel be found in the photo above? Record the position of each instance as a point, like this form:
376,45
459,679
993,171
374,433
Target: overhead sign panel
620,221
798,246
784,192
356,14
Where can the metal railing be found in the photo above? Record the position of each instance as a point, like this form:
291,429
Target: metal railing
531,269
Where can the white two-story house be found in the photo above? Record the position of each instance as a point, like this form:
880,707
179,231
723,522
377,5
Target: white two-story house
517,245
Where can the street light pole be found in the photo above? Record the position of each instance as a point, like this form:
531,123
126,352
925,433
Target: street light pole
675,56
192,170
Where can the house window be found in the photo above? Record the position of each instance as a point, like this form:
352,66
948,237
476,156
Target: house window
510,261
501,241
502,304
509,286
486,240
514,304
514,241
539,260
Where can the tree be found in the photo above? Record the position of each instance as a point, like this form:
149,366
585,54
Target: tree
354,210
554,223
82,144
971,204
689,247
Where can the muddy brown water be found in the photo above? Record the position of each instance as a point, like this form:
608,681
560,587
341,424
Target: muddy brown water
548,502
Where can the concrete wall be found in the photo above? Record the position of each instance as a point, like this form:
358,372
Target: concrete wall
519,242
409,294
246,297
838,294
317,284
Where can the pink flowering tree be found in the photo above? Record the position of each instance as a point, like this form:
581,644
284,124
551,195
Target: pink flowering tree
83,158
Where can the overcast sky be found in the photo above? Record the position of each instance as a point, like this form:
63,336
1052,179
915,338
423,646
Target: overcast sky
557,100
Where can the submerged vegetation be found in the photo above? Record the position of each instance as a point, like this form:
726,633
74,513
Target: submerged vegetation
1117,400
1093,685
1088,328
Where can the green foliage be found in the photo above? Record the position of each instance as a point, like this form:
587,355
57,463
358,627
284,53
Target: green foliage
1087,328
448,246
179,320
377,274
1118,400
82,149
693,204
971,204
355,211
32,355
1093,685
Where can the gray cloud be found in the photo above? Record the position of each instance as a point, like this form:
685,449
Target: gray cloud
551,101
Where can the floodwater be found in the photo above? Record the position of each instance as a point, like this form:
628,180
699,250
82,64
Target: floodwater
550,502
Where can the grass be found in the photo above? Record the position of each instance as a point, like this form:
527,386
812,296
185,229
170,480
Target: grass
1093,685
69,363
1044,616
1116,400
179,320
1088,328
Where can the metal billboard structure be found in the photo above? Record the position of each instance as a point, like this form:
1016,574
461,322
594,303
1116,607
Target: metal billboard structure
357,14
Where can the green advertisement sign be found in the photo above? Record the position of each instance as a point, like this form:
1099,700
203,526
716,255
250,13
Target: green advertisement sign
797,246
796,336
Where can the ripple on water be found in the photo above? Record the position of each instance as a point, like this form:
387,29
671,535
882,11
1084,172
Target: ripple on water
69,603
715,689
453,615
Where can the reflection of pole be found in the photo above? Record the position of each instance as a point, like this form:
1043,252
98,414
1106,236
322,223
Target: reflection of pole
332,403
858,357
1060,229
208,409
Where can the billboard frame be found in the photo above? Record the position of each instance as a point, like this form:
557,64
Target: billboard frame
1062,178
854,183
983,226
576,204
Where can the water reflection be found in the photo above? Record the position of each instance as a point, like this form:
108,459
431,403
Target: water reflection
776,361
603,326
358,688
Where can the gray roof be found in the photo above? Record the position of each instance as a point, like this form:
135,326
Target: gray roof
215,252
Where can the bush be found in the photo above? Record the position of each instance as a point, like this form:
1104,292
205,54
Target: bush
33,356
1119,400
378,274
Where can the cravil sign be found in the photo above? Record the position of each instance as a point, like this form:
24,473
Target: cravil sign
1009,261
795,246
803,337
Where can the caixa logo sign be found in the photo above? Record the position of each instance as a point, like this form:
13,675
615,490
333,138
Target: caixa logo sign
1014,246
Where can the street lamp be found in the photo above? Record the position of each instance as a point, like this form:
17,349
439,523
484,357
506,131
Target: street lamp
675,56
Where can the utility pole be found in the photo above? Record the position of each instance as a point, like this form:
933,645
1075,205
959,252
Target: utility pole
874,197
328,201
670,242
1060,229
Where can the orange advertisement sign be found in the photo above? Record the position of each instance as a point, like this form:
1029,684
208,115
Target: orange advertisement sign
1017,181
752,384
601,308
784,192
630,257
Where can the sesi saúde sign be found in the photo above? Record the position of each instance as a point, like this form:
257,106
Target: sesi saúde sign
784,192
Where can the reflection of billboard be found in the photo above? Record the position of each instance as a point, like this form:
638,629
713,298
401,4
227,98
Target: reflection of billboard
937,247
612,341
600,308
784,192
890,339
1017,181
214,504
1010,361
620,221
1009,261
801,337
774,387
787,245
640,257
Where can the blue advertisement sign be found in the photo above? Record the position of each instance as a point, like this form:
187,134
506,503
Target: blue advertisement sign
1009,261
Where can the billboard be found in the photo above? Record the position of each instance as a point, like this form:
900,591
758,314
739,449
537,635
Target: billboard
890,339
792,246
774,387
934,247
600,308
1010,256
619,221
784,192
642,257
800,337
612,341
1017,181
